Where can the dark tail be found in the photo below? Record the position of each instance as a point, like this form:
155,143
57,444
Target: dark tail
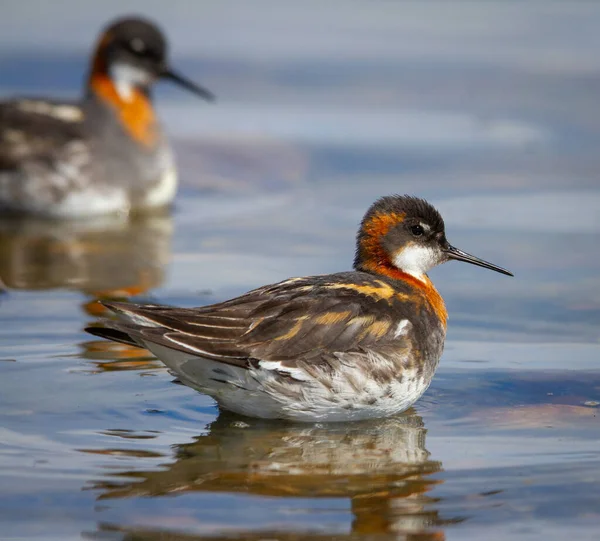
112,334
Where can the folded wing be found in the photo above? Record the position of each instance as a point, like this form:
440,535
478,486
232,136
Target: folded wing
42,152
296,321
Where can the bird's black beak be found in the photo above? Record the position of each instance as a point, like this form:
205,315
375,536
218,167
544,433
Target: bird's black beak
186,83
459,255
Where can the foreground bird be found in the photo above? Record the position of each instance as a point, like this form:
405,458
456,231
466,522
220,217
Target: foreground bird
338,347
105,154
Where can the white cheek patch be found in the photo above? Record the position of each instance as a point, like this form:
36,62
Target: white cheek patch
127,78
416,260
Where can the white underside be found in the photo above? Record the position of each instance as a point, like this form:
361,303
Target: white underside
89,202
105,201
92,200
164,192
263,392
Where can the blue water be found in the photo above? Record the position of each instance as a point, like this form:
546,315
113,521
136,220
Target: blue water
489,110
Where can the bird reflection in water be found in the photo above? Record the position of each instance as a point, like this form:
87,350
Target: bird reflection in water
382,467
106,258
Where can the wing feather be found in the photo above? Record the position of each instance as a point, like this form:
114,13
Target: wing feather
43,154
299,321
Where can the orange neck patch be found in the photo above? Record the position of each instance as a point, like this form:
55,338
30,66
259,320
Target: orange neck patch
432,297
373,258
136,115
372,254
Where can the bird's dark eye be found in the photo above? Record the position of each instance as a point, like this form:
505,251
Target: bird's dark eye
142,50
137,46
417,230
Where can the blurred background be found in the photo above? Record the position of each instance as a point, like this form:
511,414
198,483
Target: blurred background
489,110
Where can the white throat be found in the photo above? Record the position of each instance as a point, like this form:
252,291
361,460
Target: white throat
416,260
127,77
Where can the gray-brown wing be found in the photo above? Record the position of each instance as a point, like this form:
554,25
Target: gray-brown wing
43,154
294,321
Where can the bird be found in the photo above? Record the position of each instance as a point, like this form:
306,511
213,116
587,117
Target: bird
348,346
105,153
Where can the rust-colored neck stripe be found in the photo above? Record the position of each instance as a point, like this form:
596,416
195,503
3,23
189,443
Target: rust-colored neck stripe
374,258
136,114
